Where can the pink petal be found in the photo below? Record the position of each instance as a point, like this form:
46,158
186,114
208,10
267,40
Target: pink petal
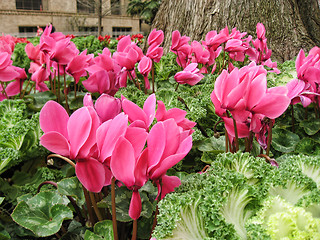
172,132
133,111
122,162
123,43
91,174
156,144
256,91
84,152
107,107
169,183
140,172
137,137
79,127
53,117
108,134
135,205
242,128
272,105
8,74
172,160
149,108
56,143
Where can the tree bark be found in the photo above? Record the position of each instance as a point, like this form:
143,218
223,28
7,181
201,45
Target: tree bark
290,24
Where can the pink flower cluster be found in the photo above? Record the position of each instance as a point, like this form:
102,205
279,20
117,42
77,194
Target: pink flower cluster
11,77
243,93
205,53
104,145
305,88
57,55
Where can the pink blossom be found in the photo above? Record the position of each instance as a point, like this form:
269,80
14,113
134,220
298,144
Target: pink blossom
144,68
137,116
74,137
155,37
190,75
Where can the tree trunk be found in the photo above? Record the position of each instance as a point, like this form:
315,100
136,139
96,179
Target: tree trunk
290,24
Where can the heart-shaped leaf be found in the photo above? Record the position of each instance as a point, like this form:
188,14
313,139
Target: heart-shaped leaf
102,230
311,127
43,214
72,187
284,140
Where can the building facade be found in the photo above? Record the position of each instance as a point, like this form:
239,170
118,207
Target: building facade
21,17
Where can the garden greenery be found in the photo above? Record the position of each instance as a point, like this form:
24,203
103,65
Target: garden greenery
213,140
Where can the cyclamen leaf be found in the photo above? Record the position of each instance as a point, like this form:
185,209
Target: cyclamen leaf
311,127
102,230
72,187
284,140
43,214
123,197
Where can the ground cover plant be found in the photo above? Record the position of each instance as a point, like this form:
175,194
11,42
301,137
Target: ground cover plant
214,140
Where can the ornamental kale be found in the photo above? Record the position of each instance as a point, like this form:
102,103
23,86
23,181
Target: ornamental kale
19,134
242,197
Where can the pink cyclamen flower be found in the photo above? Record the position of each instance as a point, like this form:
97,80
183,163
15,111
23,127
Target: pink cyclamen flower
137,116
177,114
190,75
74,137
7,71
76,67
106,106
129,165
155,37
200,55
155,52
144,68
167,145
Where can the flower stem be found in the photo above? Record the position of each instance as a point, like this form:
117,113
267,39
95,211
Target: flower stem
135,229
95,207
236,135
152,74
25,89
114,212
227,140
89,207
292,120
63,158
58,85
269,138
65,90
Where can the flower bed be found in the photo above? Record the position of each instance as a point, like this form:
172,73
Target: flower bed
98,139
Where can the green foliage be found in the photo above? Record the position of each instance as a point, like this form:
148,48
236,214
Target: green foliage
102,230
91,43
19,134
283,220
72,187
242,197
20,57
43,214
27,182
123,196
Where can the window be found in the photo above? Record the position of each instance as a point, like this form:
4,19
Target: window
86,6
88,29
117,31
29,4
28,29
115,7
